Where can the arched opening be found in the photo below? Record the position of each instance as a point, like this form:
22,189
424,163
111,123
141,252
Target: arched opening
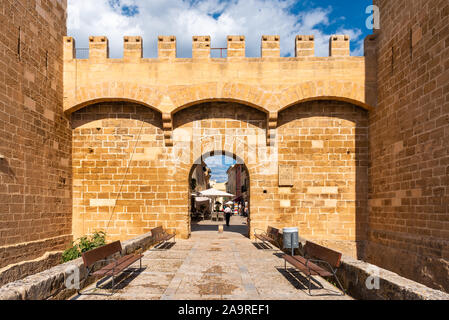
220,100
219,181
325,143
91,102
115,150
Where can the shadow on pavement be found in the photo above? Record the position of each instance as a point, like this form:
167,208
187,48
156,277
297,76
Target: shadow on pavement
301,282
120,282
213,226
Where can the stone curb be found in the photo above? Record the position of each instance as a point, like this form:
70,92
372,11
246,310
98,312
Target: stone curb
50,284
355,273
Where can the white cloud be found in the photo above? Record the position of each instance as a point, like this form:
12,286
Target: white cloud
183,18
356,36
219,165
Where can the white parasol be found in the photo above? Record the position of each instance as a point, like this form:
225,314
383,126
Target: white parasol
214,193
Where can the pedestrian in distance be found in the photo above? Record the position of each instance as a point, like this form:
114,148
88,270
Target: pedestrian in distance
228,213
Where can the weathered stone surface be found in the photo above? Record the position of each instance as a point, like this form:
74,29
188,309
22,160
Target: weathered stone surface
355,273
35,136
51,283
26,268
212,265
409,135
327,196
310,111
270,83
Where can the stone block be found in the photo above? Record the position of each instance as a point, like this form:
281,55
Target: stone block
339,46
305,46
270,47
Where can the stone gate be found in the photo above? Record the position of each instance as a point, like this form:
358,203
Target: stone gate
139,124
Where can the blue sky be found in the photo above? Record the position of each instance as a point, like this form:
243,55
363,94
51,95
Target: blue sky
349,14
219,165
218,18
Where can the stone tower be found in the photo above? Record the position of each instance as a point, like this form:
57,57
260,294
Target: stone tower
409,134
35,138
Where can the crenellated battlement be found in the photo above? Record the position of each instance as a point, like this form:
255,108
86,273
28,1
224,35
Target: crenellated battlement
132,48
339,46
305,46
167,83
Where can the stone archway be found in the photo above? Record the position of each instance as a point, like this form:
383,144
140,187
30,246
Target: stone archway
325,143
235,129
152,192
117,152
242,196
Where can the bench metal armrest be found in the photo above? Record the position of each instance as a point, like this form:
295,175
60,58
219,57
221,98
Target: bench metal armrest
323,261
91,268
262,232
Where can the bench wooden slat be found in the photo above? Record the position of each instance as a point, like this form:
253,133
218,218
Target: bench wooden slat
101,253
270,236
311,268
322,253
117,262
272,232
263,237
167,236
113,268
117,265
160,235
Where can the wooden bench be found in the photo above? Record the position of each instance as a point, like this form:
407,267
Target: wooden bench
160,236
272,235
315,254
116,266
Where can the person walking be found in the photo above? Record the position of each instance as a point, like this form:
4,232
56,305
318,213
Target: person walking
228,213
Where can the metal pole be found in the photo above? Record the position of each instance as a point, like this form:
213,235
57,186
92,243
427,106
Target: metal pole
291,241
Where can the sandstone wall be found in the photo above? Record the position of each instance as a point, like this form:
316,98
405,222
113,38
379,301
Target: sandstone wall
127,182
35,135
121,178
409,134
326,143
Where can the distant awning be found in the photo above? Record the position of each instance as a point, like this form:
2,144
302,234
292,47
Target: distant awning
215,193
202,199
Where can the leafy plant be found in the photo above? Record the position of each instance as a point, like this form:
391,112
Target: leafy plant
83,244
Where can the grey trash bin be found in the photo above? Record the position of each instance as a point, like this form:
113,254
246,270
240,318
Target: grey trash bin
291,238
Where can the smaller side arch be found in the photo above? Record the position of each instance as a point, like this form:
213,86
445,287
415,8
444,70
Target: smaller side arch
353,92
331,98
87,103
231,100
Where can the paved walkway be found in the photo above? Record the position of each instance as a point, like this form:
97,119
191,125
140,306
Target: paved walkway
210,265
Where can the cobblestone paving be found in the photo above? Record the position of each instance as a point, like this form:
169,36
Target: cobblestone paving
210,265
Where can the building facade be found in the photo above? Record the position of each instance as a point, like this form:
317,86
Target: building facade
35,138
200,178
351,150
238,183
409,133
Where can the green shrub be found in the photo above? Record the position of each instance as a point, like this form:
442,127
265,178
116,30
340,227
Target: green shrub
84,244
